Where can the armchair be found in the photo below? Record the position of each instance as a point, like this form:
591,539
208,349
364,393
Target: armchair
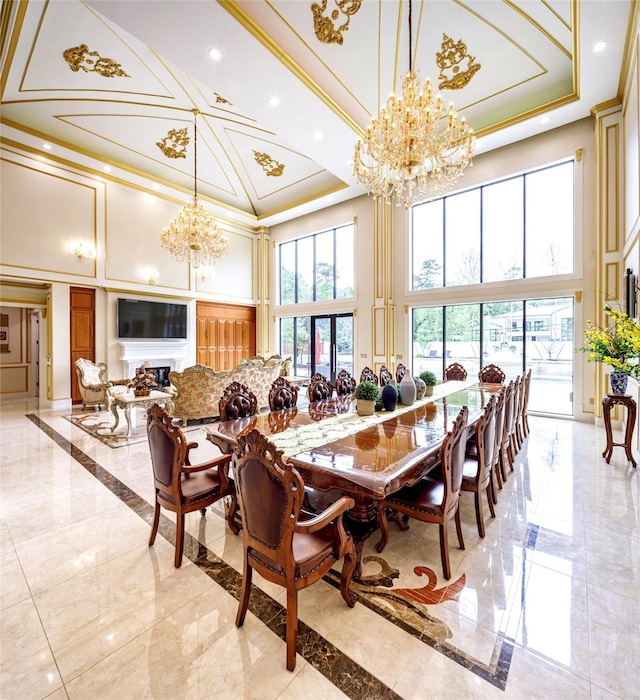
93,382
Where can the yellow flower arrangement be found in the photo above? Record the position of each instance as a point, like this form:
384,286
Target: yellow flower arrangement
617,345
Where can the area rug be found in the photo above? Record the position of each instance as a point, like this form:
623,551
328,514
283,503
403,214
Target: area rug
99,423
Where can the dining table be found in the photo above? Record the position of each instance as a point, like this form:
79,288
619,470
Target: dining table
365,457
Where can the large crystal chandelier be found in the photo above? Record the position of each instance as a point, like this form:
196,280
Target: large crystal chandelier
193,236
416,148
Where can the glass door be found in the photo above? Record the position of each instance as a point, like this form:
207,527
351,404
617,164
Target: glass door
322,344
332,344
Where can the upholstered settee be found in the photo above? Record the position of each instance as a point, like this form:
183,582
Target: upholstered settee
197,390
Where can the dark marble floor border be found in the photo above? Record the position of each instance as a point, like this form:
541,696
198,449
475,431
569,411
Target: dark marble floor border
348,676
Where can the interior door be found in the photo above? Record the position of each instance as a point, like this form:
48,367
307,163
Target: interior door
225,334
83,317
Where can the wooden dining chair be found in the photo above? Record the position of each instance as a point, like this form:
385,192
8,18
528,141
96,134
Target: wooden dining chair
491,374
368,375
278,543
435,497
345,383
180,486
524,419
283,394
385,376
507,454
401,370
455,372
237,401
319,389
476,470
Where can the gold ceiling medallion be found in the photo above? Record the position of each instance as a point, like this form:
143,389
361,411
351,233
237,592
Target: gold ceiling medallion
268,164
452,59
324,28
174,144
220,99
80,58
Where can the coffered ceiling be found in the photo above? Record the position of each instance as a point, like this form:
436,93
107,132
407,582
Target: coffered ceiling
294,83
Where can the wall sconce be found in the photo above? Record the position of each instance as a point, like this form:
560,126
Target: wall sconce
205,273
154,276
83,251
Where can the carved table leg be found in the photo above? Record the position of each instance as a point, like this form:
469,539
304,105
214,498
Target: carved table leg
116,415
606,412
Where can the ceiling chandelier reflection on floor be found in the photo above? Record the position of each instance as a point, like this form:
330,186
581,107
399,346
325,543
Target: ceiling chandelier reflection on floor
416,148
193,235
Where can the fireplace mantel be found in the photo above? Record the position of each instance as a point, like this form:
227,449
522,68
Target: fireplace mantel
171,353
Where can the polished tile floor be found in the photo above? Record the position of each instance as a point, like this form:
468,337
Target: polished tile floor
546,606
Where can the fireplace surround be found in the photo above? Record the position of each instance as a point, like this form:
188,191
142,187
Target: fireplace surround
163,355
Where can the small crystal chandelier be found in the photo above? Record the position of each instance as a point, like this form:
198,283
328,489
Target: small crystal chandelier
416,148
193,235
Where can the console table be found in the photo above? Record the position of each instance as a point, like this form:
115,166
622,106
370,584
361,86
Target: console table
609,401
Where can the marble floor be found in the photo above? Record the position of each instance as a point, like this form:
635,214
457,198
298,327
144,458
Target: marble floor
546,606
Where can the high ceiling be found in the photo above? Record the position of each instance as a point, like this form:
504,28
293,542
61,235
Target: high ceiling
117,82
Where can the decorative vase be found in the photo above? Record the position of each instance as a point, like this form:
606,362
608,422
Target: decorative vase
389,397
421,388
365,408
618,382
142,392
407,390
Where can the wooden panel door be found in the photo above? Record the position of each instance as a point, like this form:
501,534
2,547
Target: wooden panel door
83,318
225,334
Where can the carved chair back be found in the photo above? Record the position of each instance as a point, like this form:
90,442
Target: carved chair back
345,383
237,401
491,374
455,372
368,375
385,376
319,388
283,394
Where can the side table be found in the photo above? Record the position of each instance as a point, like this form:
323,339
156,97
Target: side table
609,401
127,401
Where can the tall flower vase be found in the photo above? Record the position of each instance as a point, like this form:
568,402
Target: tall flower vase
618,382
407,389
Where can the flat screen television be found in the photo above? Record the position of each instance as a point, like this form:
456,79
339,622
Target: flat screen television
151,319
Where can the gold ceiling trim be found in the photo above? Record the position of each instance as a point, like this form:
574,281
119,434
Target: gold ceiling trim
557,14
235,11
284,187
629,47
174,144
168,93
6,12
81,58
63,118
540,28
100,175
324,27
222,100
300,202
118,290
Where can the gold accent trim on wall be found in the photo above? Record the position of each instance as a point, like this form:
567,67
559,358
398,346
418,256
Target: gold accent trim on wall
612,189
578,296
16,370
578,155
612,282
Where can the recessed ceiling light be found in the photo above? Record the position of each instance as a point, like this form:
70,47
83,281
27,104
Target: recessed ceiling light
215,54
545,120
600,46
107,169
318,136
46,146
274,101
156,187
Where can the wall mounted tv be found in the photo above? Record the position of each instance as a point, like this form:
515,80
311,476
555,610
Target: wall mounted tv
151,319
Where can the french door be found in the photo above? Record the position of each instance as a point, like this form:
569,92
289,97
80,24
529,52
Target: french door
323,344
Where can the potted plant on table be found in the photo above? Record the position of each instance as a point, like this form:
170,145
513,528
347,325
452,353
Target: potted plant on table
366,394
144,380
616,345
429,378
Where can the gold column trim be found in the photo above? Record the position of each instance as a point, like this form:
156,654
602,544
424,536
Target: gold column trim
578,296
578,155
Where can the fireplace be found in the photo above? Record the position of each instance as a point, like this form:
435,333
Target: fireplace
162,375
162,355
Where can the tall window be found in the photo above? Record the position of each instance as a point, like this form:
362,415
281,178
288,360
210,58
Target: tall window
515,228
318,267
536,334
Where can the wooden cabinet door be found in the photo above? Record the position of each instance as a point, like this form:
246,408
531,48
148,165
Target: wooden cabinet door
83,317
225,334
